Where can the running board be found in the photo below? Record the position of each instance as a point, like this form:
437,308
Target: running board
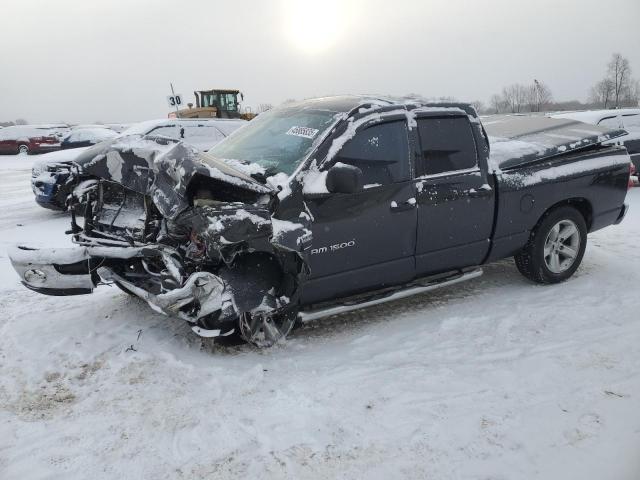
412,289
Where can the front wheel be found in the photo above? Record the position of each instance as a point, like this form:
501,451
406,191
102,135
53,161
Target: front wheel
556,247
266,329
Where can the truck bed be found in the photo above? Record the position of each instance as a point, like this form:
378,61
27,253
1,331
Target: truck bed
516,140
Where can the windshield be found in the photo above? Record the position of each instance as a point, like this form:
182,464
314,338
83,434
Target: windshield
277,140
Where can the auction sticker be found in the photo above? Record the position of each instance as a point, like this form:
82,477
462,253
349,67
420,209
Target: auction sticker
305,132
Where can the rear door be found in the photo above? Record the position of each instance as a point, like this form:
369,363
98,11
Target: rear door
455,197
365,240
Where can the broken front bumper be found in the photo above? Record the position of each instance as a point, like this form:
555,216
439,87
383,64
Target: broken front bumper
77,271
54,271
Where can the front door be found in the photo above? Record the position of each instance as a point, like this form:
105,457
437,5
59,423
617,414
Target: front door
365,240
455,197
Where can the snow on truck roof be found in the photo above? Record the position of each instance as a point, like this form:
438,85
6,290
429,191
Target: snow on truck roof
354,103
513,139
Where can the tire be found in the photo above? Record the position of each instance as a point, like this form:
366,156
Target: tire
266,330
556,247
23,149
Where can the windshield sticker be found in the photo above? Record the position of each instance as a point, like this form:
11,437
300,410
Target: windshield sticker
305,132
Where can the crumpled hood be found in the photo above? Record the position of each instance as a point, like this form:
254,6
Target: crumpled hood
160,170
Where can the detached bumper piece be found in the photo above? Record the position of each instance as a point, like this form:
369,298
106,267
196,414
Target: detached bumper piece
55,271
64,271
78,270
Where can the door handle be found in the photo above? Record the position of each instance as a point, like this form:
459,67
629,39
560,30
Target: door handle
480,192
403,206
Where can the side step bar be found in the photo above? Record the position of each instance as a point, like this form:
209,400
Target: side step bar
413,288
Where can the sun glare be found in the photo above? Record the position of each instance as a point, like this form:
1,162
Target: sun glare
315,26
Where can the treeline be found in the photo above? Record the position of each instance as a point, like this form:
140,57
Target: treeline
19,121
617,89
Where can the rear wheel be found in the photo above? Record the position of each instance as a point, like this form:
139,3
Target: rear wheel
556,247
23,149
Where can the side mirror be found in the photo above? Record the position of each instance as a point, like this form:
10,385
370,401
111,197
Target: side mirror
343,178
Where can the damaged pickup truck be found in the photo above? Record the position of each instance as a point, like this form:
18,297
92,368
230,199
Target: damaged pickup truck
330,205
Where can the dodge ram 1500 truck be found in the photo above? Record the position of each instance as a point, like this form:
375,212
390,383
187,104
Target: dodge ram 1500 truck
329,205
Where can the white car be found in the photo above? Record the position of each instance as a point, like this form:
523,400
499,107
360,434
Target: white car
202,133
625,118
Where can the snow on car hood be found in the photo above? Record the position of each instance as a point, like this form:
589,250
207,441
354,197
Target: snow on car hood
58,157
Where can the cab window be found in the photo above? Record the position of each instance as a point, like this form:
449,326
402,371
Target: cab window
446,145
381,152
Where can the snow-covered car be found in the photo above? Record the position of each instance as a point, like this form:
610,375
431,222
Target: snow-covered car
202,133
117,127
625,118
86,136
31,138
50,177
329,205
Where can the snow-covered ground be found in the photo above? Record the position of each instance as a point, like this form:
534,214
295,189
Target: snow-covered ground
494,379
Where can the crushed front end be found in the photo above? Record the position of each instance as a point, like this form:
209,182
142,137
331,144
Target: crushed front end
194,241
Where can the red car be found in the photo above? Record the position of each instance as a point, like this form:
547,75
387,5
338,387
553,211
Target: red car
31,138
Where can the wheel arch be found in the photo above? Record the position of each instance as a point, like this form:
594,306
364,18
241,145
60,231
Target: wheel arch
579,203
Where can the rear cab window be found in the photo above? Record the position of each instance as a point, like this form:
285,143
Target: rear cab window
446,146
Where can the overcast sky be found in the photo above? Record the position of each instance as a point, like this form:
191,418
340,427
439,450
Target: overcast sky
112,60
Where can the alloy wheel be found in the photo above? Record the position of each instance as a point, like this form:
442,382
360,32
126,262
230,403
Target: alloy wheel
561,246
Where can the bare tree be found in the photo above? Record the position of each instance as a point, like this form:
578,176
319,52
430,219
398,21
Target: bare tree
263,107
478,105
538,96
515,97
21,121
496,102
508,96
619,73
602,92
